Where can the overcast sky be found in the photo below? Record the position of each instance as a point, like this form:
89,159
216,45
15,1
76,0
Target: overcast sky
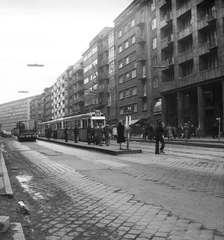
50,32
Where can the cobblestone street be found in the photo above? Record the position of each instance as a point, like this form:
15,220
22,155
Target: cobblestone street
72,205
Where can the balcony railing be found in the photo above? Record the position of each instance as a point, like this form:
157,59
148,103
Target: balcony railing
140,22
142,94
141,57
141,39
212,44
211,16
141,76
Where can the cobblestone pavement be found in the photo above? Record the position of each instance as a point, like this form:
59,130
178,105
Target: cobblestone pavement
88,209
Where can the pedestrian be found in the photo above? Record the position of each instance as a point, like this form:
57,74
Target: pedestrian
120,133
76,133
100,134
143,135
89,134
159,132
66,134
96,140
107,133
49,132
169,132
197,132
186,131
55,133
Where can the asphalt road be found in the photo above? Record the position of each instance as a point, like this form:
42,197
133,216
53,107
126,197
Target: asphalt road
91,195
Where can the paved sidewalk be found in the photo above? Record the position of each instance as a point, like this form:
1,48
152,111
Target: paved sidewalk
6,190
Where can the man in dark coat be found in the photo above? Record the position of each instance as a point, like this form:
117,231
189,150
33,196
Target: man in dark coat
76,133
120,133
66,134
159,132
89,134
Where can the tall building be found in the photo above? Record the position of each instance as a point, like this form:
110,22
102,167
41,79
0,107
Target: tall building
35,109
76,89
15,111
95,73
59,97
112,97
133,84
170,62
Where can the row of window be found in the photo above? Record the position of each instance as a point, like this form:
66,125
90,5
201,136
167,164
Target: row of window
126,28
128,92
126,44
128,59
127,76
91,65
90,54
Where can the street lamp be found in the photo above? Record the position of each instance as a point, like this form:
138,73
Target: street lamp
35,65
219,119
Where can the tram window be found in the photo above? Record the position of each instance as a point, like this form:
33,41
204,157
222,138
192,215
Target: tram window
65,124
84,123
89,122
98,122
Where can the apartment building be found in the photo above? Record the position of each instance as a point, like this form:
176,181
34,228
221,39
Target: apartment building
35,109
58,96
95,73
190,52
170,62
112,97
14,111
76,89
133,87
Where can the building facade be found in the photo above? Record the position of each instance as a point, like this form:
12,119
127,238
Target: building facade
35,109
15,111
57,99
170,62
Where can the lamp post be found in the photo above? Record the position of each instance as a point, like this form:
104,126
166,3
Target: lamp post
128,125
219,119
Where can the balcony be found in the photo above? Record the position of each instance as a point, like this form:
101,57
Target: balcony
211,16
167,63
185,32
80,89
183,8
140,22
141,76
105,48
141,39
207,47
141,57
80,99
212,44
105,62
100,64
163,22
167,41
162,3
185,56
142,94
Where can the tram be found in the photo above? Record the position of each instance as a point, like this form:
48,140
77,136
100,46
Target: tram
82,120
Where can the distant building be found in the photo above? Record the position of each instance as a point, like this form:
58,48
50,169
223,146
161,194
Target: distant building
15,111
35,109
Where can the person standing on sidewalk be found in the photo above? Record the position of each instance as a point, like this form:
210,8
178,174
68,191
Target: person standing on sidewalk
120,133
159,132
76,133
186,131
66,134
107,133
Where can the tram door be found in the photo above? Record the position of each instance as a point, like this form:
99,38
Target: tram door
209,120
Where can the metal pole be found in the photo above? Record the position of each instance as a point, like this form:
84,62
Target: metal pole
219,127
128,132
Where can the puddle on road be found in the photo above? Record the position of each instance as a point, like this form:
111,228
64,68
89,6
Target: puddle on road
24,181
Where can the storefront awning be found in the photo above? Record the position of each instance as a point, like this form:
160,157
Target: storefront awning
157,108
133,121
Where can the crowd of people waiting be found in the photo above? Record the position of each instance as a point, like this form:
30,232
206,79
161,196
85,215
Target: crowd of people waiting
171,132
